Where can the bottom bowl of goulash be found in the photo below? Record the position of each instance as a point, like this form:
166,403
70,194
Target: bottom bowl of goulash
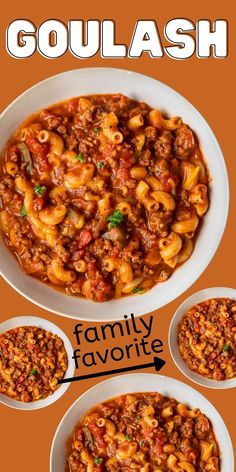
202,337
116,426
34,356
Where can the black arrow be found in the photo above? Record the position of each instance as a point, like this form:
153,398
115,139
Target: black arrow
157,363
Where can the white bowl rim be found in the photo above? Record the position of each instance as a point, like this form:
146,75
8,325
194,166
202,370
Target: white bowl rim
150,300
200,296
18,321
145,377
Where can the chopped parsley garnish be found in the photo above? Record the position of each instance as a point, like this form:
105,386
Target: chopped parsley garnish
80,157
127,437
23,211
39,189
100,165
96,130
141,443
212,323
97,460
33,372
226,347
115,219
138,290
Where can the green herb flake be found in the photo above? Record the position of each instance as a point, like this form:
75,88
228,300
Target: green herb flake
96,130
212,323
80,157
138,290
97,460
39,189
226,347
23,211
127,437
141,443
100,165
115,219
33,372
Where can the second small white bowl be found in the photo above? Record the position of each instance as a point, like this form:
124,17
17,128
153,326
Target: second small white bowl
213,292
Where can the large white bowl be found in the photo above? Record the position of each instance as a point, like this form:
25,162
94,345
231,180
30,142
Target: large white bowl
134,383
156,94
18,321
202,295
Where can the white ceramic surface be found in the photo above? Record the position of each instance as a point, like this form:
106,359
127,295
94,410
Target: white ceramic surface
156,94
138,383
213,292
52,328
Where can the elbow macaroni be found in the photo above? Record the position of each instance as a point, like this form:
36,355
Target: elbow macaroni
56,142
157,119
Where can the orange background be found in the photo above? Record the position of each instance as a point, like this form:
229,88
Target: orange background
210,85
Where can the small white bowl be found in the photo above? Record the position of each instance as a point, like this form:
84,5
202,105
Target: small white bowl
52,328
213,292
131,383
156,94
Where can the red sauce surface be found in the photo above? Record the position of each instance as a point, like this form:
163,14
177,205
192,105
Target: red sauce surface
145,432
85,163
